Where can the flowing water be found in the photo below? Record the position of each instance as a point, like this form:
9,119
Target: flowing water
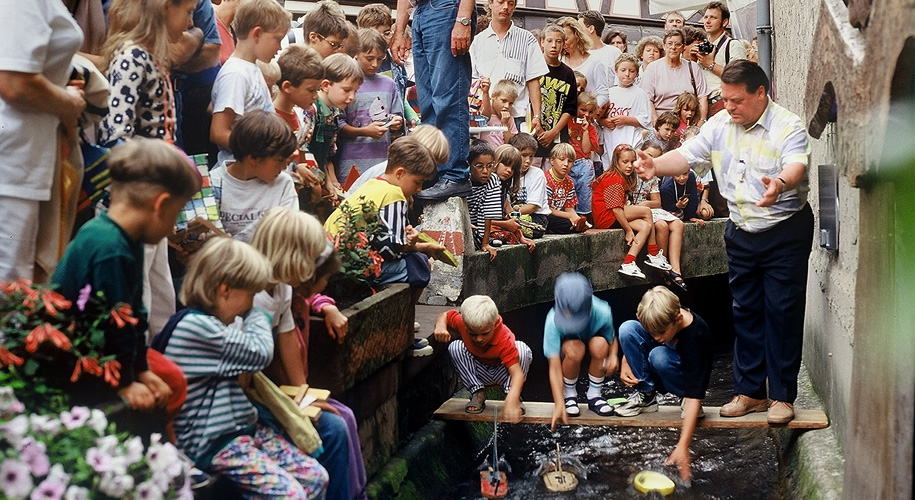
726,463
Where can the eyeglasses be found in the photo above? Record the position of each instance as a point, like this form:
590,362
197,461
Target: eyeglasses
484,166
672,44
333,45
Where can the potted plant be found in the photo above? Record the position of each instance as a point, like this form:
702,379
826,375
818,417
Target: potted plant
360,262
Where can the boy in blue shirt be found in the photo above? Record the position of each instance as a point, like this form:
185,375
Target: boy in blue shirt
578,322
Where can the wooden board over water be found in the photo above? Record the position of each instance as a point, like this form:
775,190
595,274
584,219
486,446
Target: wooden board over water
666,416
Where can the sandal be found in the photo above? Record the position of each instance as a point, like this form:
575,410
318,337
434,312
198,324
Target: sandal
600,407
477,403
674,278
572,408
523,409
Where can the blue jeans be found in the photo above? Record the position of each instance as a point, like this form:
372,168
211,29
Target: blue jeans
656,365
582,174
443,81
335,457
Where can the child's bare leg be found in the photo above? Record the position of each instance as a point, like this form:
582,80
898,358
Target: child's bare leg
599,350
662,233
675,239
642,231
573,351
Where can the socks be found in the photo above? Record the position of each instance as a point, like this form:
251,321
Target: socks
652,249
568,388
594,384
629,259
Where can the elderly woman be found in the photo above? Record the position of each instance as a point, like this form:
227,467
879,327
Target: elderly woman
40,38
648,50
667,78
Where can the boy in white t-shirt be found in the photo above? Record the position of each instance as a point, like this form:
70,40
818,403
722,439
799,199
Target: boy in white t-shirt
531,199
240,87
256,180
627,113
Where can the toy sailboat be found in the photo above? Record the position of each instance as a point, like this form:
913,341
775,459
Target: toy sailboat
493,482
556,479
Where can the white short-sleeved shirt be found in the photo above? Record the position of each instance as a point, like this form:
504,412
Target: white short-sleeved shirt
243,203
39,37
516,57
664,84
240,86
626,101
533,185
278,305
605,58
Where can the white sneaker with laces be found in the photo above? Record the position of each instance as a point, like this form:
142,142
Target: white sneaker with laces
659,261
631,269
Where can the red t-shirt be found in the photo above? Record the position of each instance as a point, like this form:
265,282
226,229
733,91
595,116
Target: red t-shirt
293,121
501,349
609,193
576,134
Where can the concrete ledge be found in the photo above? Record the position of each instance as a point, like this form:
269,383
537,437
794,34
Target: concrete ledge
517,278
811,463
380,330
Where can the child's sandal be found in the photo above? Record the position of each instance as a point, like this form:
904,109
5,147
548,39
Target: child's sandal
572,408
477,403
674,278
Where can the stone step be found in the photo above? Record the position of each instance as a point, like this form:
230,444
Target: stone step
666,416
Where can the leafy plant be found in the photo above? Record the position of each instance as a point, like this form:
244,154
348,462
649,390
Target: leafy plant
356,226
43,333
77,455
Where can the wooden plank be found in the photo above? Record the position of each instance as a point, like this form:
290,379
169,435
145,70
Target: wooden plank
666,416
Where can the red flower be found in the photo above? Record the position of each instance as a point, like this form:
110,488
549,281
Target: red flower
44,332
122,315
54,301
9,359
88,365
20,285
112,372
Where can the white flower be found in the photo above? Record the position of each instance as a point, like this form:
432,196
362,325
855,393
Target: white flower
98,460
44,424
76,417
98,421
148,490
163,457
35,455
76,493
134,451
49,489
14,430
185,493
57,472
108,444
15,480
9,405
115,485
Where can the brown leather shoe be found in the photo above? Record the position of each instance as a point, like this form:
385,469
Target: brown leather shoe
780,412
741,405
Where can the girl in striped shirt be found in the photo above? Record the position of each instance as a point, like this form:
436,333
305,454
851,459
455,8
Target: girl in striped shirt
222,337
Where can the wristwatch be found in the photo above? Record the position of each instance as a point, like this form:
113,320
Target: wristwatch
463,20
711,67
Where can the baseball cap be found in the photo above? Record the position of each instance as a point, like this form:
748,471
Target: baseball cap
572,310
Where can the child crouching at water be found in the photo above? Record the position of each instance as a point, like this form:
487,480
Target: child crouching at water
485,354
222,338
669,349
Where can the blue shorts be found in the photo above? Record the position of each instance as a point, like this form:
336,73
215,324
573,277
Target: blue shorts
582,174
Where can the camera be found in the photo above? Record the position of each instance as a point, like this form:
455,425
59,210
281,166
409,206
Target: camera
705,47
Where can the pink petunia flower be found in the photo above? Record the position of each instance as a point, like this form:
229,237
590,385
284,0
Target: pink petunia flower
49,489
35,454
83,298
15,480
76,417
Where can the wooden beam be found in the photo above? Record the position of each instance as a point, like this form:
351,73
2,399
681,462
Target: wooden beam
666,416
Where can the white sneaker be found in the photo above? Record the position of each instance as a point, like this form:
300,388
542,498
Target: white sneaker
416,326
659,261
631,269
417,350
421,341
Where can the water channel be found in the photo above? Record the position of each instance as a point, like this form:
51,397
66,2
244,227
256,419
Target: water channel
726,463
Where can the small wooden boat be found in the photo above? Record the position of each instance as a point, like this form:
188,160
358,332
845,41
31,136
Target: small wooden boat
493,482
558,479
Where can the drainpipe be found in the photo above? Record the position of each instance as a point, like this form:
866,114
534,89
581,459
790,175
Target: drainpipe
764,36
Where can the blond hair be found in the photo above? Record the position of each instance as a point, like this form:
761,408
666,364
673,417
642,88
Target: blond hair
505,88
268,15
140,22
563,150
223,261
657,310
478,312
434,140
584,39
292,241
587,99
141,168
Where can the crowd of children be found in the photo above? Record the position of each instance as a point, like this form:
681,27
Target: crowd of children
330,129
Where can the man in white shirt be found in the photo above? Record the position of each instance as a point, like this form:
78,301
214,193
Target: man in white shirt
505,51
726,49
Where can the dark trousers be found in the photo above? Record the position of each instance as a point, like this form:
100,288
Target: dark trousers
768,276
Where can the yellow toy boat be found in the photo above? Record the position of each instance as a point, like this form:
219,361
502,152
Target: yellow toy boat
649,481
